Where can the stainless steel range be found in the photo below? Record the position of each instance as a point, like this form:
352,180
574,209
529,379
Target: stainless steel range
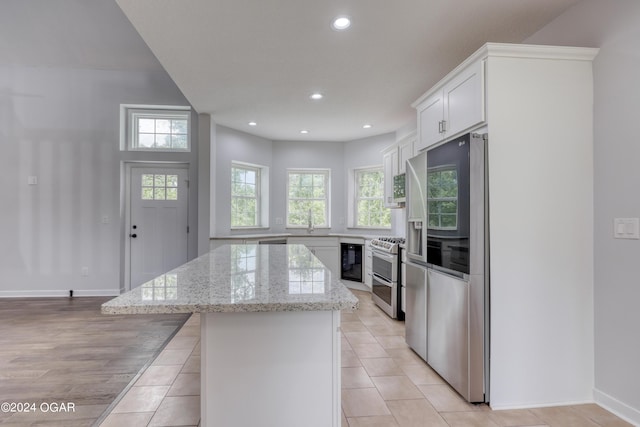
385,289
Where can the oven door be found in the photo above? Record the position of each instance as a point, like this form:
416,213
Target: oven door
384,265
385,295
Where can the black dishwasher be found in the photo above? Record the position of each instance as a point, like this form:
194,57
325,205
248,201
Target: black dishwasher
351,262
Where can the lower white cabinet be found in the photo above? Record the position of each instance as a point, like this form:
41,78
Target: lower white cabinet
403,286
368,259
325,248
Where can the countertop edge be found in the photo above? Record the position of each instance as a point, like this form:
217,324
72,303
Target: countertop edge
285,235
351,304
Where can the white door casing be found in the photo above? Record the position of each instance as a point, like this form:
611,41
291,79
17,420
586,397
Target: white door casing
158,221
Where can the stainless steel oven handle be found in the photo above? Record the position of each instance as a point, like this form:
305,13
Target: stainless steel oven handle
383,280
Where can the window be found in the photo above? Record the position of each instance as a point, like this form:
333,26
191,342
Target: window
308,198
442,198
155,128
162,288
244,264
369,200
249,206
306,272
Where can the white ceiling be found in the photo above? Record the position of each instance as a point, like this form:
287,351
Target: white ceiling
259,60
72,34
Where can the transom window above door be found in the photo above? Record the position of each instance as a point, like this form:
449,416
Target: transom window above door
155,128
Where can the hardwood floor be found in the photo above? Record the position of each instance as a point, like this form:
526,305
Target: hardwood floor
56,351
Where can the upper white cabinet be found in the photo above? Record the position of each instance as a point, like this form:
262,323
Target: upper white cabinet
406,151
394,160
455,105
390,169
430,117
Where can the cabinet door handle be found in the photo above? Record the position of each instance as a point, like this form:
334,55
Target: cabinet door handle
440,126
444,126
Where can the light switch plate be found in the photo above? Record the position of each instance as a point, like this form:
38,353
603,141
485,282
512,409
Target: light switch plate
32,180
626,228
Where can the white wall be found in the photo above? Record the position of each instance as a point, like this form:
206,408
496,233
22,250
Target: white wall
339,157
614,27
368,152
62,126
205,142
294,154
233,145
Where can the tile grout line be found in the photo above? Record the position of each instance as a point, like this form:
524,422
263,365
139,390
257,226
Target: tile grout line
136,377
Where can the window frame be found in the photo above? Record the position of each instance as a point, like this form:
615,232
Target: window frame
440,169
129,135
262,195
256,214
356,197
327,196
164,187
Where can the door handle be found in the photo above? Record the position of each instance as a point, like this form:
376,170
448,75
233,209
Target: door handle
133,236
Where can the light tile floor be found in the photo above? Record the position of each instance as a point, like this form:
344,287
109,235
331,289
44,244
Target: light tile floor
384,384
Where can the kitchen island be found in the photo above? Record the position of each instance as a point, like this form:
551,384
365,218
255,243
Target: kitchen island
270,318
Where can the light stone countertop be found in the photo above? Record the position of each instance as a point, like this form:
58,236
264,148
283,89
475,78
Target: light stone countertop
304,235
240,278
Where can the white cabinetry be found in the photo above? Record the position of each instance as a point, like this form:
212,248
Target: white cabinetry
216,243
325,248
394,160
405,152
390,169
539,110
368,259
455,105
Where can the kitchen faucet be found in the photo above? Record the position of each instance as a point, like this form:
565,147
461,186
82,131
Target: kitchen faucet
310,229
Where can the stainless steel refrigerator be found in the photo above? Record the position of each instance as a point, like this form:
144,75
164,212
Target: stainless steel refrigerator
447,263
416,255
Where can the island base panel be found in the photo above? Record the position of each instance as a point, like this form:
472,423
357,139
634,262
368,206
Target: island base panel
271,369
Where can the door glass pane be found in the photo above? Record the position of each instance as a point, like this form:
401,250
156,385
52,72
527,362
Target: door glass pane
159,193
172,180
159,187
147,193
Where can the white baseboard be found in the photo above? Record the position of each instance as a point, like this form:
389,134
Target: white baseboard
622,410
511,406
45,293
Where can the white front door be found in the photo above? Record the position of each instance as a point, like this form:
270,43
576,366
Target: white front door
158,224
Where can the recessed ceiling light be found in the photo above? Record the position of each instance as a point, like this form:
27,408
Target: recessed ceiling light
317,95
341,23
304,131
253,124
367,126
